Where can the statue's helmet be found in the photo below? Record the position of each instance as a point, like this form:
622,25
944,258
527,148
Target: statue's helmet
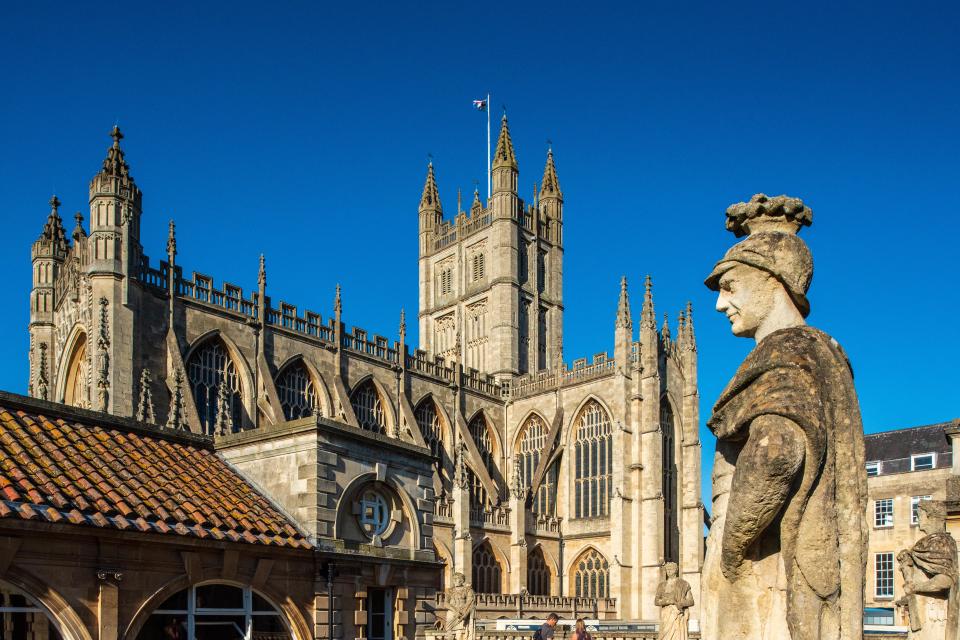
772,244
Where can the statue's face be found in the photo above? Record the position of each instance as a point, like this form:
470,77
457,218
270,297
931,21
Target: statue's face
458,579
671,569
746,296
928,524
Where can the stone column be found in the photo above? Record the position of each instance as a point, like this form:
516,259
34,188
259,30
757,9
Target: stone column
107,604
462,542
518,541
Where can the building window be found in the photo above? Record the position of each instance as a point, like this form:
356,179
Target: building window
368,407
914,508
23,617
923,461
671,516
215,611
883,572
873,469
486,570
532,442
374,516
446,281
591,578
477,267
298,393
883,512
480,433
207,367
429,422
593,462
538,575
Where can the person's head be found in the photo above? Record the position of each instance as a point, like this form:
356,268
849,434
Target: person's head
581,626
931,517
552,619
671,569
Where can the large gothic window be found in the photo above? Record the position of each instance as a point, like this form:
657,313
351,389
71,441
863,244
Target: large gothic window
486,570
532,441
671,528
368,407
538,575
208,366
593,462
428,419
480,433
78,375
591,576
297,391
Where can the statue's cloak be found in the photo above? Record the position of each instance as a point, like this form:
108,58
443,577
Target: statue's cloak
936,554
802,374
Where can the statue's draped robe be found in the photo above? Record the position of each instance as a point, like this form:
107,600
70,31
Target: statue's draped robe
932,616
674,619
805,578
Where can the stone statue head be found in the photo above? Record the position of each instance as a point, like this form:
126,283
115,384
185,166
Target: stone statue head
671,569
458,579
762,281
932,517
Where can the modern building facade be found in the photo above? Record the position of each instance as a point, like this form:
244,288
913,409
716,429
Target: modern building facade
482,452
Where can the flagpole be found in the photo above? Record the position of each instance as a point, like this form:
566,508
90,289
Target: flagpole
488,147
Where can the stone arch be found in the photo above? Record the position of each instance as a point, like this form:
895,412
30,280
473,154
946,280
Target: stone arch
446,426
589,563
444,555
528,453
54,605
541,571
498,451
515,440
344,509
242,367
386,404
294,618
589,460
485,439
72,368
568,432
487,577
319,384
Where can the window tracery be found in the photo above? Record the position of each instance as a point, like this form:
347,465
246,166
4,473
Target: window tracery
368,407
532,442
538,575
480,433
297,391
591,578
487,575
593,462
207,366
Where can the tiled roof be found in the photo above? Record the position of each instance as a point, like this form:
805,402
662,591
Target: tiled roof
62,465
902,443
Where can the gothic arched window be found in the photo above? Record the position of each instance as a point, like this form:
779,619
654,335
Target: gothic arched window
486,570
207,366
368,407
297,391
480,433
593,462
428,419
591,576
532,441
671,528
75,392
538,575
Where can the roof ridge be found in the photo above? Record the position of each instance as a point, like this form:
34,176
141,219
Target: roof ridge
945,423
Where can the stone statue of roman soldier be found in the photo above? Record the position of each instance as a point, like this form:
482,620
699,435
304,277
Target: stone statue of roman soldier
786,554
461,602
674,598
929,571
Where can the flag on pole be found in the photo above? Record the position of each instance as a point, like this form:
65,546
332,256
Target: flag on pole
480,105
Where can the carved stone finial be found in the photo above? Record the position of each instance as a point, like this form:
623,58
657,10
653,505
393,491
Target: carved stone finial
43,386
145,405
460,477
262,275
176,419
403,325
517,487
648,318
665,329
103,357
337,302
171,242
690,341
762,213
623,306
54,204
116,135
224,421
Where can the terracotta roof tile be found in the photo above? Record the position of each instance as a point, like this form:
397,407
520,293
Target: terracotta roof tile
83,473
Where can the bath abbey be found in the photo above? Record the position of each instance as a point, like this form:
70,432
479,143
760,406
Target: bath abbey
192,453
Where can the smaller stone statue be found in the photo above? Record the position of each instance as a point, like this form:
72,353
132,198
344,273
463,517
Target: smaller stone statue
461,602
674,598
929,571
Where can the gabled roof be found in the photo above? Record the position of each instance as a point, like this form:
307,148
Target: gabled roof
64,465
902,443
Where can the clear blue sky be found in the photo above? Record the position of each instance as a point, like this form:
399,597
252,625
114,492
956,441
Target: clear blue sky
301,130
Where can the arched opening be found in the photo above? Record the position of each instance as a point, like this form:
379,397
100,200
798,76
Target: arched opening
431,425
21,616
487,574
538,573
208,367
76,390
591,575
593,462
368,406
671,525
298,393
215,611
480,432
532,441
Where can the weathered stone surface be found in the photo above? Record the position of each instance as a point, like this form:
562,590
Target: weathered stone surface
674,597
461,602
786,553
929,571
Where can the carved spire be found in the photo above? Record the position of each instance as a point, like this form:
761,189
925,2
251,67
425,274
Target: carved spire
623,307
337,303
460,477
115,164
665,329
175,418
262,274
78,231
690,341
145,404
403,325
224,422
430,200
681,329
171,243
550,185
43,386
476,206
517,487
504,155
648,317
53,231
